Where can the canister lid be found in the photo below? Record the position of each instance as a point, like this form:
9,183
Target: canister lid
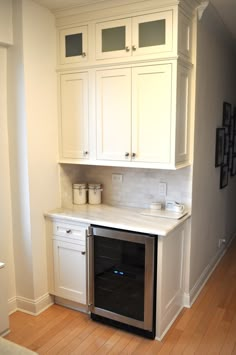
79,186
94,186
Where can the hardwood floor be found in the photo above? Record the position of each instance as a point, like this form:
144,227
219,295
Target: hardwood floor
209,327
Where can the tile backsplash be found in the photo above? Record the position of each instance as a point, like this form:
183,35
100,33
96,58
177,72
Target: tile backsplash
139,187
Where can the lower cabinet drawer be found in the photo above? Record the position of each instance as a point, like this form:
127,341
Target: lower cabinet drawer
69,230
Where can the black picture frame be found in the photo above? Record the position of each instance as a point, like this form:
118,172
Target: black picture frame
234,143
231,130
234,115
224,176
233,167
226,113
220,145
226,144
230,157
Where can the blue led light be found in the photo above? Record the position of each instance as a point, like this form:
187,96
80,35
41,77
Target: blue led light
121,273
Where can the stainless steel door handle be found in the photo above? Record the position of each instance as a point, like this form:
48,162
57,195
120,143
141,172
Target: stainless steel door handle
90,268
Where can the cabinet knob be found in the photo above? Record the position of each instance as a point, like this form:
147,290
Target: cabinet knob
83,252
68,231
134,48
126,154
127,49
83,54
85,152
133,155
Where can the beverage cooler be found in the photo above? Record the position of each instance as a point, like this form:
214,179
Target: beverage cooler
123,279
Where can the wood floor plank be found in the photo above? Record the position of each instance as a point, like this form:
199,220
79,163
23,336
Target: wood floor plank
110,343
63,333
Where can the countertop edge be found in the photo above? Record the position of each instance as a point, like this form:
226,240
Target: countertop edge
133,222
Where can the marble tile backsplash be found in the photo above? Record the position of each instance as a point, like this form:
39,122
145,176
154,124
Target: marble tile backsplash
139,187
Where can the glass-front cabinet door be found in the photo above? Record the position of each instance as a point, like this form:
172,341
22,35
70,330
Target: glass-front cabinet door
73,45
152,33
113,39
140,35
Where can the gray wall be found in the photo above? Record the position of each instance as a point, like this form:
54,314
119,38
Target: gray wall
213,210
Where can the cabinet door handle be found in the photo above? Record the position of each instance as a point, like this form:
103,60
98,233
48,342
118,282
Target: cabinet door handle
133,155
127,49
68,231
83,252
126,154
134,48
83,54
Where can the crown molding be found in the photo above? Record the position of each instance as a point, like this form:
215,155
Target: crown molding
201,8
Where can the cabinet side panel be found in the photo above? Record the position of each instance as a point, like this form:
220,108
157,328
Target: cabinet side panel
182,115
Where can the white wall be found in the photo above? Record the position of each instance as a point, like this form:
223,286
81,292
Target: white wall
39,37
32,111
6,247
6,244
213,210
6,33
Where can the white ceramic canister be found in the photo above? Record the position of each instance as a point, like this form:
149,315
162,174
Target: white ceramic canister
94,194
79,194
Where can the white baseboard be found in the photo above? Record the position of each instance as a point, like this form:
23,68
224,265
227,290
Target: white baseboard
189,298
33,307
12,305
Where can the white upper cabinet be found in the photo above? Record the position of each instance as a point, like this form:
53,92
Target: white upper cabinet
140,35
74,116
73,45
125,83
134,114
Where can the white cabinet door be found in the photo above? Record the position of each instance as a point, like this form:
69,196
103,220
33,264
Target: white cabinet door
151,113
113,99
73,43
74,124
69,271
152,33
113,39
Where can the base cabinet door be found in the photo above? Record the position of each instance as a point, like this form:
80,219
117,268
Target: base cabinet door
69,271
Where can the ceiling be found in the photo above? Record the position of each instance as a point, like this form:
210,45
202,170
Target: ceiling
225,8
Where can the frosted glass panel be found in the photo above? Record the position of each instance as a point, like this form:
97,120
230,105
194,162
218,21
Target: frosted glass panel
152,33
113,39
74,45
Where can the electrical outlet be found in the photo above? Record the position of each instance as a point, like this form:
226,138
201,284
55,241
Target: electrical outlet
162,188
221,242
117,178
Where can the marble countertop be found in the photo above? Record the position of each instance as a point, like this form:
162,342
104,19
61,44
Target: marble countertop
117,217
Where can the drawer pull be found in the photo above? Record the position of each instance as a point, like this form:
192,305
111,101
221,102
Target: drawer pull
83,252
68,231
